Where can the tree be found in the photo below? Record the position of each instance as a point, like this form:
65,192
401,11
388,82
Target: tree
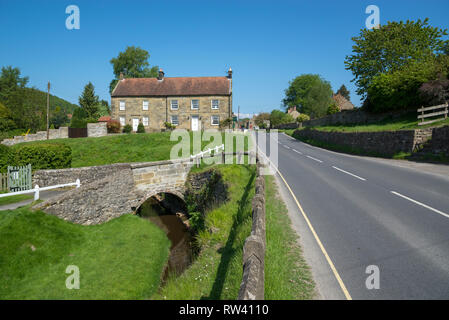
89,101
344,92
278,117
132,63
390,48
311,93
260,118
103,108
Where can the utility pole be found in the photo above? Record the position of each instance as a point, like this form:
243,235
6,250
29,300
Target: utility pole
48,109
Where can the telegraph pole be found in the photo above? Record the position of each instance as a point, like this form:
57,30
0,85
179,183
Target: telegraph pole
48,109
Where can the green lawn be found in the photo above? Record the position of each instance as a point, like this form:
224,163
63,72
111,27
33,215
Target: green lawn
406,122
120,259
122,148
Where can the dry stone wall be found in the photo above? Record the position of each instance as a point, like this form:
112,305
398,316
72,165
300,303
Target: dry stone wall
61,133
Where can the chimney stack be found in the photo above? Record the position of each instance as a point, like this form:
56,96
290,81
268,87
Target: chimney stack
230,73
161,75
121,76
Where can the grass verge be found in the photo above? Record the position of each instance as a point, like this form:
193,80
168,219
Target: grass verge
15,199
287,275
120,259
216,272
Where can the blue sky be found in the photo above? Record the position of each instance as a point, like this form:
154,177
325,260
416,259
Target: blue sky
267,43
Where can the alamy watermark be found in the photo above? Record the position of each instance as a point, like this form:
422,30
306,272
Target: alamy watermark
373,20
73,20
73,280
373,280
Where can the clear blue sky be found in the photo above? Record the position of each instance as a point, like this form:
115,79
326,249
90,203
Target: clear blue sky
267,43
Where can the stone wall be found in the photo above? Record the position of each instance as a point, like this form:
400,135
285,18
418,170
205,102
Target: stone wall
159,111
438,145
356,116
110,191
98,129
253,282
61,133
385,143
293,125
45,178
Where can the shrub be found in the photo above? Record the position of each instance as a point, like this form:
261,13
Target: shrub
127,128
169,126
225,123
5,157
43,156
333,108
140,128
113,126
434,92
302,117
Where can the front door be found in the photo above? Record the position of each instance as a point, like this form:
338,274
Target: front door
195,121
135,124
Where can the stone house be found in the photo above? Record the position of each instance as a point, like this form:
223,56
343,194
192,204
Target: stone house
342,102
293,112
193,103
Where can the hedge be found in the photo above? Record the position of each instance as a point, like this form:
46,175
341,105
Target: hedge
42,156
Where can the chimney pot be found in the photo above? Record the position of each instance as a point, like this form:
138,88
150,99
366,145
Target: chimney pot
230,73
121,76
161,74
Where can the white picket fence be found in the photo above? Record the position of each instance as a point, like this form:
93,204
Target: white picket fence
196,158
37,189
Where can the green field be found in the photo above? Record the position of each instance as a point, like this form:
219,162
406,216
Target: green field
122,148
120,259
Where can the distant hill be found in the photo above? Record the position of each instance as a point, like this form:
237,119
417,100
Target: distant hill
39,98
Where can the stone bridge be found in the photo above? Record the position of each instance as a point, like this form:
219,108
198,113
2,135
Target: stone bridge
110,191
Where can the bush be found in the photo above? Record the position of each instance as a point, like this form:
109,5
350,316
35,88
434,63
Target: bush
302,117
42,156
225,123
5,158
113,126
140,128
169,126
434,92
127,128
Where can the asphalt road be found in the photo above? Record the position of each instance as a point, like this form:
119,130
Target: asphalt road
371,212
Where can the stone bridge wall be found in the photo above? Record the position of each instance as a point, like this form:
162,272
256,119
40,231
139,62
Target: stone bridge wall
110,191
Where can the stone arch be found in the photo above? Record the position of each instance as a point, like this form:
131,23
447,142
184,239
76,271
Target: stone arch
147,195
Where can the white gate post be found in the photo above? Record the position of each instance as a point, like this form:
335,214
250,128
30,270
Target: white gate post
36,192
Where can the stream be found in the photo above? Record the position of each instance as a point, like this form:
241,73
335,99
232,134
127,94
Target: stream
166,219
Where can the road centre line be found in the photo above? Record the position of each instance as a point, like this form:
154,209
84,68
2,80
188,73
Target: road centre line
297,151
351,174
420,203
318,160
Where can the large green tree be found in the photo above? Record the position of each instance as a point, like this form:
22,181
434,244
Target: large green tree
390,48
310,93
132,63
89,101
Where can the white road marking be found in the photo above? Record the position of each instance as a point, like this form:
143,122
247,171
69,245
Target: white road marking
351,174
421,204
314,159
297,151
287,147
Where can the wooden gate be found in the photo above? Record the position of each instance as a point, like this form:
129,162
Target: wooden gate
77,132
19,178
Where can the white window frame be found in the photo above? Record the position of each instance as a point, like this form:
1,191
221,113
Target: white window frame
177,120
191,104
143,105
212,120
212,104
122,105
146,121
122,123
171,104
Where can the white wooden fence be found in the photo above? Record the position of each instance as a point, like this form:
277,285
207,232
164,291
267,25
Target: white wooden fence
197,157
423,115
37,189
